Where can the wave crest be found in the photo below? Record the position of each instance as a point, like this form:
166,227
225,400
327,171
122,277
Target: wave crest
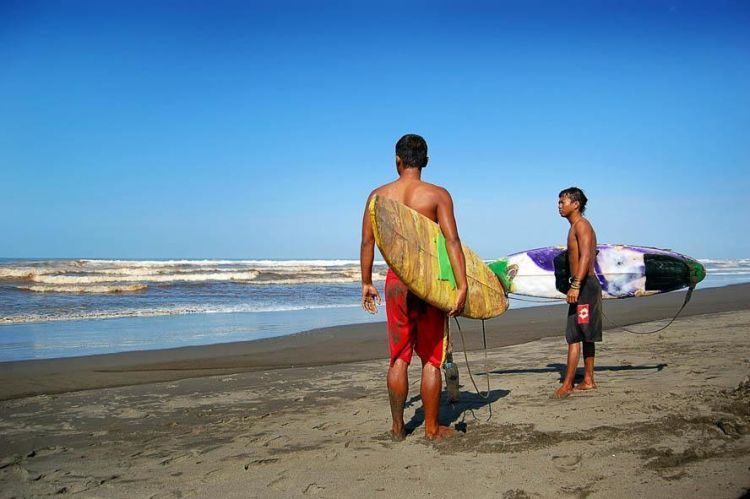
123,276
120,314
127,288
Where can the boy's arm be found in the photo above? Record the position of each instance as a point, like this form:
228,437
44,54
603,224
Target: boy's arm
584,235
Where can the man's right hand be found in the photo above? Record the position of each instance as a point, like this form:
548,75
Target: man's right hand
370,298
458,308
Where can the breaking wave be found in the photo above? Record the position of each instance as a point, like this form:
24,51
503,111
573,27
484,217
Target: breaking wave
125,276
127,288
119,314
733,266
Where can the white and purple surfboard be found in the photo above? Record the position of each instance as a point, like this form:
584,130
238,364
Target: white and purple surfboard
623,271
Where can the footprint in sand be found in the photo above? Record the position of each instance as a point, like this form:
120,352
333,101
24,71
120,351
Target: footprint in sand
516,494
53,476
180,458
211,475
258,462
18,473
567,463
584,491
276,441
47,451
313,489
132,414
277,483
236,457
10,460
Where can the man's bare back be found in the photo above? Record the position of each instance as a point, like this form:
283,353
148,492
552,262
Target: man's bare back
417,195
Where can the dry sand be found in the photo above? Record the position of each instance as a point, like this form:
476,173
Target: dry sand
671,418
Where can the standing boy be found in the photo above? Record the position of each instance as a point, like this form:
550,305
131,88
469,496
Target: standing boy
585,294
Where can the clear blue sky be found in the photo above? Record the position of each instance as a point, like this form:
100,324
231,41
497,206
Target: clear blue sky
165,129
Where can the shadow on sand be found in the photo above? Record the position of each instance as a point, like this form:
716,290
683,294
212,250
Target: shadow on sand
451,413
560,369
470,401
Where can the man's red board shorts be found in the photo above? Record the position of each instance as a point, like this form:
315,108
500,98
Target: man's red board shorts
413,325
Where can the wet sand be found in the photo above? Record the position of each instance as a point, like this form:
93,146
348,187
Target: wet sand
671,416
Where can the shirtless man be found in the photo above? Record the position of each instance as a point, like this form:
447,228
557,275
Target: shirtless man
412,323
585,293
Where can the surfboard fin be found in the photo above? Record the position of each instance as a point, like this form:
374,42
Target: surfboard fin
451,378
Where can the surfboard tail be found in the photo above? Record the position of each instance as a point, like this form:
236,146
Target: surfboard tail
697,272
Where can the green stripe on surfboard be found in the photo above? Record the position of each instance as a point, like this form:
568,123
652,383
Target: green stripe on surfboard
444,264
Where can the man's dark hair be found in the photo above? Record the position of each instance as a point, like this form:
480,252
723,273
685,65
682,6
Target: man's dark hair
412,149
575,194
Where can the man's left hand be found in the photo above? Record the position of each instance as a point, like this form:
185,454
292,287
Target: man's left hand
573,295
370,298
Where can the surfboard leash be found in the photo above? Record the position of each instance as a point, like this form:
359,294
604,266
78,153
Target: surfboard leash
540,300
688,295
486,396
614,324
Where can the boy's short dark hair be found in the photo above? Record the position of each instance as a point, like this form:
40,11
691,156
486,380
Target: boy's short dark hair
412,149
575,194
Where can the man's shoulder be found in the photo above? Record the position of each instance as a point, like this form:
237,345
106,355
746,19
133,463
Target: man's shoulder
382,189
435,189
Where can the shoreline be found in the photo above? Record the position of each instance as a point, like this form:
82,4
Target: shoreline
332,346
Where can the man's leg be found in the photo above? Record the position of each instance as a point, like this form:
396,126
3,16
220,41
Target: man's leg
574,352
589,352
432,384
398,389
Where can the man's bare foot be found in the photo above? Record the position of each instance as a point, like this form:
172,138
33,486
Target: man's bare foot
583,386
442,433
562,392
398,433
397,436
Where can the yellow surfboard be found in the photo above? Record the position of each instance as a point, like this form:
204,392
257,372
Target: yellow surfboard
414,248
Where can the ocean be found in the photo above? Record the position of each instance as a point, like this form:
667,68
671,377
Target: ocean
68,307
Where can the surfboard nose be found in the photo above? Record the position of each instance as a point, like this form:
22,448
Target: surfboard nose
697,273
504,273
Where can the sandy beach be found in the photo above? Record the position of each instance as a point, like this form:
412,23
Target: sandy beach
307,414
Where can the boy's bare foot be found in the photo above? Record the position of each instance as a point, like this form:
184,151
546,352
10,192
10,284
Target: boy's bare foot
583,386
562,392
442,433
